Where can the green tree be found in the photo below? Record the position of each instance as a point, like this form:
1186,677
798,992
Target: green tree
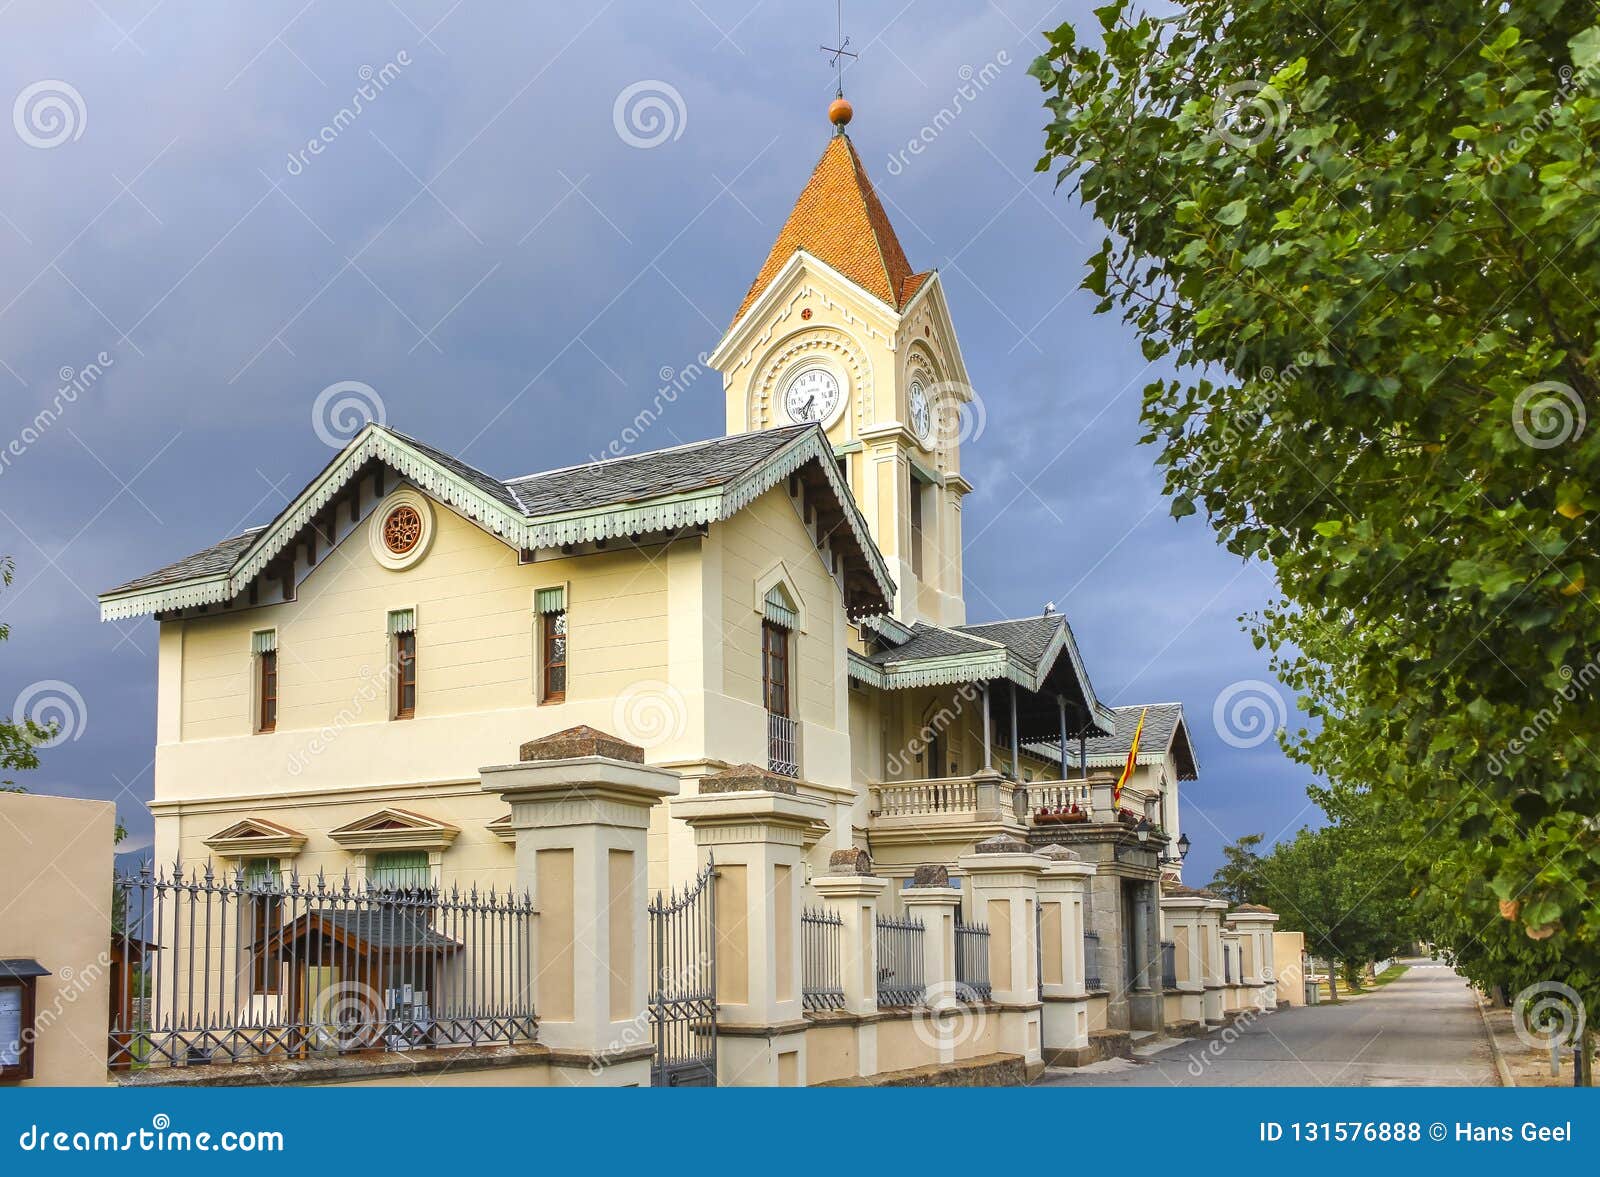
1238,879
19,741
1362,245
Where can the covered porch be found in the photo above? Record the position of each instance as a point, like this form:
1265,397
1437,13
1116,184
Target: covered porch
975,724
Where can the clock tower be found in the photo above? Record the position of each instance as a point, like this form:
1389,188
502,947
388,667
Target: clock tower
838,330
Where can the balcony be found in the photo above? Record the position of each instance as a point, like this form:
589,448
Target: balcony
976,806
783,745
961,810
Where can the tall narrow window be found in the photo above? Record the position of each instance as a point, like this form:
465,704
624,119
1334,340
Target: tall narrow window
916,526
775,667
265,915
403,635
265,646
551,605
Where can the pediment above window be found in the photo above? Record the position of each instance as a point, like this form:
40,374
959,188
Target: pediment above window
256,837
395,829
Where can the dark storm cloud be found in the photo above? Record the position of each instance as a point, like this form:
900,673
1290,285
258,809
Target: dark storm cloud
476,240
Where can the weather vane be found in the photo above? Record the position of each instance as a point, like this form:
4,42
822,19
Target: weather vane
842,50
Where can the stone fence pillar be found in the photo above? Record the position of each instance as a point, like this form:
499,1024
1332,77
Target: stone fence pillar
1255,926
1063,889
753,823
580,805
932,900
853,892
1004,875
1213,980
1182,915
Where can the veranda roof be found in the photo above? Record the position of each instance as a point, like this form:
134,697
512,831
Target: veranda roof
1039,654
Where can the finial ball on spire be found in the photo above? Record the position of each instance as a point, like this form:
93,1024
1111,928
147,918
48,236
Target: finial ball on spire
840,111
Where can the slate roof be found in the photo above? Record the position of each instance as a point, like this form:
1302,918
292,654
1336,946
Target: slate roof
933,641
1028,636
212,561
1161,724
1023,641
388,927
636,477
839,220
677,470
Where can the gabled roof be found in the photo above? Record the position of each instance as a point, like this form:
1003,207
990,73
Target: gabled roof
1164,732
1039,654
684,486
839,220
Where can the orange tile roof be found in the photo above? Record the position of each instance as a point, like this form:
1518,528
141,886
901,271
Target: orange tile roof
839,220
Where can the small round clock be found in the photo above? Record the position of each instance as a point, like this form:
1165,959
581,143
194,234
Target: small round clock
921,412
813,395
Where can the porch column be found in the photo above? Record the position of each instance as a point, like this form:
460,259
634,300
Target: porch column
932,900
1004,875
1061,709
1065,1017
853,893
1016,745
754,822
580,805
988,731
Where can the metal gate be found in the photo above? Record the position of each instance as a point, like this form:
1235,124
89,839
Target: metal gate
683,985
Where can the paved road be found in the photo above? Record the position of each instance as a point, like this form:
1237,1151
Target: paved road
1422,1030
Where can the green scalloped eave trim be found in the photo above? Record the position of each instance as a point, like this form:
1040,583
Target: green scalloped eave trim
179,596
424,473
746,488
862,670
662,514
948,671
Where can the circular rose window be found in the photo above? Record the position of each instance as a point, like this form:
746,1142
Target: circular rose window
402,529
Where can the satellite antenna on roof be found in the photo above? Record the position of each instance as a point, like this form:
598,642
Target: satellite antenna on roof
1049,608
839,111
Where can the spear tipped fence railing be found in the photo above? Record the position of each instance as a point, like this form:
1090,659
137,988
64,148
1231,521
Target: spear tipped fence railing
212,967
821,983
900,961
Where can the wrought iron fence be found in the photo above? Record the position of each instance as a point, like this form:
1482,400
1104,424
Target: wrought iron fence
1169,965
217,967
900,975
1227,963
1091,961
821,984
683,983
783,745
972,962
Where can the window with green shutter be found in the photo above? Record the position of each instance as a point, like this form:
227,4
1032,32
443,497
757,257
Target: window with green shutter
265,908
399,870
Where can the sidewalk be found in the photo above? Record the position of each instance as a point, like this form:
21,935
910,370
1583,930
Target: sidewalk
1519,1064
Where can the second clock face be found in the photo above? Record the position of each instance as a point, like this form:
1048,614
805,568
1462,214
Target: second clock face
813,395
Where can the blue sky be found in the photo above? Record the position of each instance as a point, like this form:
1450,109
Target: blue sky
484,248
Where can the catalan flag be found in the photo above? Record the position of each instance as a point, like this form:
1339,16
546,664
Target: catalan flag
1127,769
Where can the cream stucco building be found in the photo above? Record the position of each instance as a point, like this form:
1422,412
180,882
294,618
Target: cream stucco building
789,595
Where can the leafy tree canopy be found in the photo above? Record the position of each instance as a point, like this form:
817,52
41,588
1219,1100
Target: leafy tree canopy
18,740
1363,245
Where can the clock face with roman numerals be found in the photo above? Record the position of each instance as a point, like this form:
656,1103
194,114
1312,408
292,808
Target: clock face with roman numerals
921,412
813,395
